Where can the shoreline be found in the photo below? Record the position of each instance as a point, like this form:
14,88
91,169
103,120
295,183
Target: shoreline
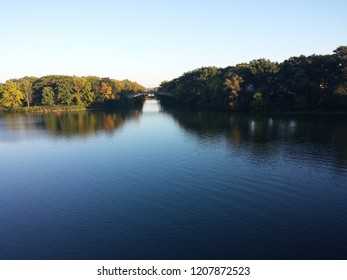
45,109
74,108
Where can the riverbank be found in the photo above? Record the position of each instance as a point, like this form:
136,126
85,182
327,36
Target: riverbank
264,113
44,109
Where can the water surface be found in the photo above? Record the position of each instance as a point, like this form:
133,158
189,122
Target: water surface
181,185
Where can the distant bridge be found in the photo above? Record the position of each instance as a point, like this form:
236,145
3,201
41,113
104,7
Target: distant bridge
149,94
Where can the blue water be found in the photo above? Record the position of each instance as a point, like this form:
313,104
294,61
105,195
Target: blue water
152,184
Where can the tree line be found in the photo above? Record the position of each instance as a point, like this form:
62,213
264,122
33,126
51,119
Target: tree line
315,82
54,90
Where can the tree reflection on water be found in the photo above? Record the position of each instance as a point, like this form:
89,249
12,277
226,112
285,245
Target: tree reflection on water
63,124
267,135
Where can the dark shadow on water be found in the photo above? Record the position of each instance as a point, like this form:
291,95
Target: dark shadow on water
263,134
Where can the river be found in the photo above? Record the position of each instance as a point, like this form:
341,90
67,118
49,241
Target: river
156,184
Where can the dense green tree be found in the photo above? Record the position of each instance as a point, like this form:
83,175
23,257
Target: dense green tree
300,83
26,87
87,95
78,85
95,85
54,90
66,94
294,76
10,95
340,55
258,103
233,84
48,96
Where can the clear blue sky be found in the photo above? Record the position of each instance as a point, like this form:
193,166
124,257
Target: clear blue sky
150,41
